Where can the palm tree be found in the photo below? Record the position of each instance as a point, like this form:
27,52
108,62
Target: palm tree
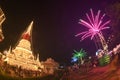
79,55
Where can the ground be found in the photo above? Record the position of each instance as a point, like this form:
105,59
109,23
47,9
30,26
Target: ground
98,73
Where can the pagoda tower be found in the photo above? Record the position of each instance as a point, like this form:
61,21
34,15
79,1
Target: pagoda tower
24,43
22,55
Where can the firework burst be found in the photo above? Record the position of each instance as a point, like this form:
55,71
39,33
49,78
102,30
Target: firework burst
95,25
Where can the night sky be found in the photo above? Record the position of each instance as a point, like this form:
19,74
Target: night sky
55,25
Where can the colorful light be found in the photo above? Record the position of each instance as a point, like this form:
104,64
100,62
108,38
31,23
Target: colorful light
95,25
100,53
74,59
104,60
78,55
116,49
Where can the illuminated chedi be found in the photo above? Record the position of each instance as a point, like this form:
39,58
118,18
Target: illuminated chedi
21,55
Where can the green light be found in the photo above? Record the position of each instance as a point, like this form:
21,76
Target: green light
104,60
79,54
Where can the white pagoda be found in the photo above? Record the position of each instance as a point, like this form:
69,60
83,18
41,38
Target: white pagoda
22,55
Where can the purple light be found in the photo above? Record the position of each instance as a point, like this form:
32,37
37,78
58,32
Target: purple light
95,25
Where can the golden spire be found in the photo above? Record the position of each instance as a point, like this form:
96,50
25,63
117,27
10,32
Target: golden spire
27,34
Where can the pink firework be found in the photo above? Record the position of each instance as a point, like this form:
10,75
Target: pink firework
95,25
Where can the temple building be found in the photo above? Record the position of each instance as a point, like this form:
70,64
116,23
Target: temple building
50,66
20,61
22,55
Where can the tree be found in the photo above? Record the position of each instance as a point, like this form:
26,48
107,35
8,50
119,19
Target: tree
79,55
